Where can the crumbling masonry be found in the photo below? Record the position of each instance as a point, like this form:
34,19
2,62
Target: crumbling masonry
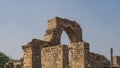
50,53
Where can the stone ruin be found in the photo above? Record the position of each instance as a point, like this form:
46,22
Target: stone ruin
116,61
14,64
50,53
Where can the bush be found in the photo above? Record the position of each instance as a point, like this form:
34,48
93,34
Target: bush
106,60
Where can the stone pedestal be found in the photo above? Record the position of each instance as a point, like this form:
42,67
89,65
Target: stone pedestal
79,55
55,56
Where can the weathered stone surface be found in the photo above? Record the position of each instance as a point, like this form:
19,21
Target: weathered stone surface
79,55
96,60
57,25
55,56
116,61
32,54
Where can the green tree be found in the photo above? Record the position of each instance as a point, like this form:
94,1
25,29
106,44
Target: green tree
106,60
3,59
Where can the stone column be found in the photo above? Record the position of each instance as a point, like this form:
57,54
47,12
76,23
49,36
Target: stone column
55,56
32,54
27,57
79,55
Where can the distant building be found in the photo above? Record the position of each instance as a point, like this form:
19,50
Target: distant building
13,64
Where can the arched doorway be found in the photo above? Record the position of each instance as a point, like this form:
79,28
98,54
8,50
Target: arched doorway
54,54
56,27
65,38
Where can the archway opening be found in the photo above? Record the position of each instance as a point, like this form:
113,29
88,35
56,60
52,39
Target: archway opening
65,41
65,38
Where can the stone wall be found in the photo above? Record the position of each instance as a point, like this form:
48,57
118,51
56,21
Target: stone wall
96,60
55,56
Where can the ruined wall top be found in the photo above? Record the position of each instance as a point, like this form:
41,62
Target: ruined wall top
116,60
57,25
35,42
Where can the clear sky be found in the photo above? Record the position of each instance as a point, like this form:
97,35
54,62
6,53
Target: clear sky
23,20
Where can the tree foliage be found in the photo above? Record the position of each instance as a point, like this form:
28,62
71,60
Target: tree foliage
106,60
3,59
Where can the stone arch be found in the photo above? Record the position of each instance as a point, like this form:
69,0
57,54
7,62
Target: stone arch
57,25
50,53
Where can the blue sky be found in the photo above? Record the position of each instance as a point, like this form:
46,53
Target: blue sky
23,20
